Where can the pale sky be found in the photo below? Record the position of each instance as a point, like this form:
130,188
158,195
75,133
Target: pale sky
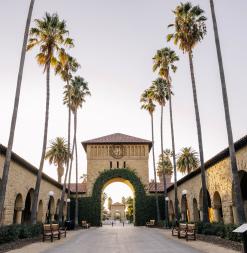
114,43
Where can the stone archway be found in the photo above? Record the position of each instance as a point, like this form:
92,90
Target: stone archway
210,214
217,207
128,177
26,214
196,212
40,212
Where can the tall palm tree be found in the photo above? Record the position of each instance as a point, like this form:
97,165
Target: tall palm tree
148,105
236,184
187,160
190,29
15,112
160,94
65,67
164,62
58,154
77,92
49,34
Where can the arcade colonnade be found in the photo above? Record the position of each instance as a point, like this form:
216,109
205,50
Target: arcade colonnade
219,187
20,191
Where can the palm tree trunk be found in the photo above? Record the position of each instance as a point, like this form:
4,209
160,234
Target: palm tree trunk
70,170
173,156
76,167
61,203
14,114
155,177
162,157
199,135
39,176
235,177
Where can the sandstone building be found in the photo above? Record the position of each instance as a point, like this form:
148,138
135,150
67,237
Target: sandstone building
20,190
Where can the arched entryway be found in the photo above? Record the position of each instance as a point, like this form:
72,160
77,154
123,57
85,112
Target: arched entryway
210,211
26,214
243,182
50,210
217,207
196,212
18,207
126,176
171,211
40,212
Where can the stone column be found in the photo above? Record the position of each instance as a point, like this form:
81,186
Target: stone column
18,215
201,215
216,214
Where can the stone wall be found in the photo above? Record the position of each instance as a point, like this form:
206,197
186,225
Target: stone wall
99,159
219,185
21,183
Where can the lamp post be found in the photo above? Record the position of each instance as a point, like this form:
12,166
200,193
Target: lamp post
68,209
167,218
184,193
50,195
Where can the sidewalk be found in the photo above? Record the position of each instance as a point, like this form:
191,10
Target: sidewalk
199,245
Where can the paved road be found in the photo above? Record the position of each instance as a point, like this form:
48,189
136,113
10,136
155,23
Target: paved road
120,239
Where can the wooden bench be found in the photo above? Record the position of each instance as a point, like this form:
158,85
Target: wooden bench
52,231
182,230
150,223
191,232
84,224
187,231
175,231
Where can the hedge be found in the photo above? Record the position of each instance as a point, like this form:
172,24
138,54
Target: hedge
219,229
12,233
144,205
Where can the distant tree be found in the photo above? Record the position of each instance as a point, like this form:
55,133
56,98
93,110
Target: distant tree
187,160
109,203
58,154
164,163
130,209
123,200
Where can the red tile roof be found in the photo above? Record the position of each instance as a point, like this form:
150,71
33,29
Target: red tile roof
82,187
160,186
117,138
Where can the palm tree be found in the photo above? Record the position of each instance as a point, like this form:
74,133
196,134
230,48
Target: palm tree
49,35
58,154
76,92
65,67
14,114
160,94
190,29
164,61
236,184
187,160
148,105
164,164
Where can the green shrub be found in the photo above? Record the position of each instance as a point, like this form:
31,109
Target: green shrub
12,233
218,229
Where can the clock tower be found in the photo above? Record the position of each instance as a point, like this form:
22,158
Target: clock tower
117,151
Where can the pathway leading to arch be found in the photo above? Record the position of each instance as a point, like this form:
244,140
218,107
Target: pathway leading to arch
120,239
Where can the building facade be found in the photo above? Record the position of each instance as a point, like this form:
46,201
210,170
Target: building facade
20,190
117,151
219,186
